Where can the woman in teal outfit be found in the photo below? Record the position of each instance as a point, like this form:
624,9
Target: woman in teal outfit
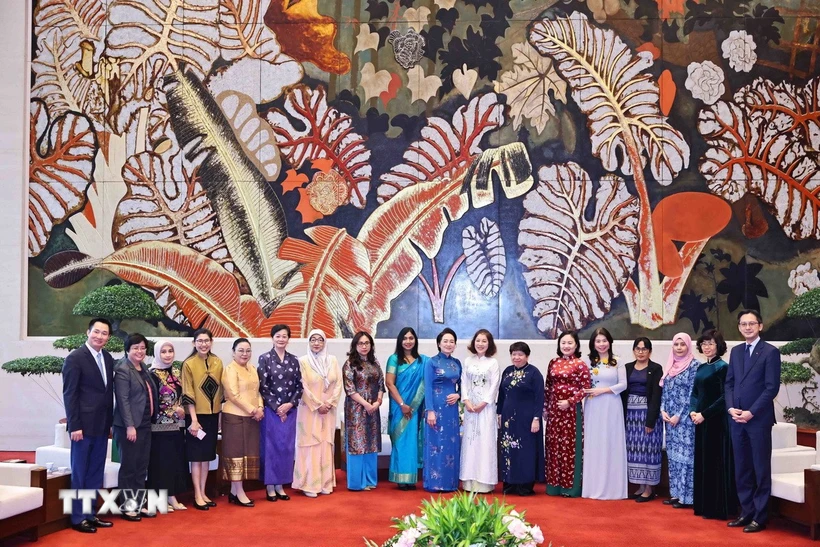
405,383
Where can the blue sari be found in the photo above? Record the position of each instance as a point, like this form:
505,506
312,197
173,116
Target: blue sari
405,434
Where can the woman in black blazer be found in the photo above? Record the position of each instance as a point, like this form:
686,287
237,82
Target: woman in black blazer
644,434
136,395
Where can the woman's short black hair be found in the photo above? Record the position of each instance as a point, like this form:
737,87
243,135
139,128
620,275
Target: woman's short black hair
523,347
647,343
574,335
276,328
491,349
716,337
134,339
447,330
239,341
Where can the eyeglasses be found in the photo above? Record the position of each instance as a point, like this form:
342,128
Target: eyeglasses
363,343
640,350
203,341
314,340
747,324
707,343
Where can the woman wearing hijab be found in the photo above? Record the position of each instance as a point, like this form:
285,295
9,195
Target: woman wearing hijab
404,379
316,423
167,468
677,386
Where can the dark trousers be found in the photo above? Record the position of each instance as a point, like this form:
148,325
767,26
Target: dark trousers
87,468
134,458
752,445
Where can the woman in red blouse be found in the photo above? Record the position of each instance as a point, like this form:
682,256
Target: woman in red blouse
567,378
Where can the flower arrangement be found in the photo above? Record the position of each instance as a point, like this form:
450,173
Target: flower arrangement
463,521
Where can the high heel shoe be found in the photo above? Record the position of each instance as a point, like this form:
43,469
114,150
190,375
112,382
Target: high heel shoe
203,507
271,497
210,503
234,499
132,518
282,496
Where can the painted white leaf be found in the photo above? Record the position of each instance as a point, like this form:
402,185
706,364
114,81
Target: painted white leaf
74,19
254,134
797,106
417,18
621,100
576,266
527,87
486,259
365,39
422,88
374,83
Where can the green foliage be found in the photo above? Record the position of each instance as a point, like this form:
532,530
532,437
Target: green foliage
45,364
461,521
74,341
794,373
118,302
802,417
806,305
802,345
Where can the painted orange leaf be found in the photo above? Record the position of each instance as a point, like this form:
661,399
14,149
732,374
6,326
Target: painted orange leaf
651,48
306,35
322,164
392,88
293,181
418,215
667,89
61,166
686,217
207,293
336,273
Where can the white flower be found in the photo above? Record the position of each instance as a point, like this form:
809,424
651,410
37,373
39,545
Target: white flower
802,279
739,50
705,81
537,535
518,528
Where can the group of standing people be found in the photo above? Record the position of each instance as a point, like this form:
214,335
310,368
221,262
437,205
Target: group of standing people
470,423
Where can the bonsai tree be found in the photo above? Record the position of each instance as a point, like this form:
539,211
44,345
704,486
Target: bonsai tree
37,367
802,371
117,303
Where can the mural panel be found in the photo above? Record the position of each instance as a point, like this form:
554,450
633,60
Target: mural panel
646,165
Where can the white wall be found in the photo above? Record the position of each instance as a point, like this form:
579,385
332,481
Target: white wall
27,413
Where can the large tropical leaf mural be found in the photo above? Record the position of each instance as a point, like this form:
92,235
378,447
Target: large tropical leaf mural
523,166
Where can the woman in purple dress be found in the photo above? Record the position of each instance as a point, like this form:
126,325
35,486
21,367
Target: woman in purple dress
280,383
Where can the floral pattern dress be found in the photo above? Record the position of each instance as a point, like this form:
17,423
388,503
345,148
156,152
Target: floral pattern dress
363,434
442,451
567,378
680,439
280,382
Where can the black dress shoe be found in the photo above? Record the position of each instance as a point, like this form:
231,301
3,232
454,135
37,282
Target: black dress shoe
234,499
754,527
147,515
403,487
283,497
679,505
203,507
210,503
99,523
670,501
85,527
131,518
644,499
739,521
271,498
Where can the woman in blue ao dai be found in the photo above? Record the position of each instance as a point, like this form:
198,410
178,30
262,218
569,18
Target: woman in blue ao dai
442,390
680,430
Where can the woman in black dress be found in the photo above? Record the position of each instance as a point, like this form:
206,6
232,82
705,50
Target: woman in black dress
520,408
715,495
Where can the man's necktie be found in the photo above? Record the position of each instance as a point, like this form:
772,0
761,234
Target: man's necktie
747,358
102,368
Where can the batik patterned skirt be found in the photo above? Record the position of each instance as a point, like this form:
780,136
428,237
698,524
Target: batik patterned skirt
240,447
643,450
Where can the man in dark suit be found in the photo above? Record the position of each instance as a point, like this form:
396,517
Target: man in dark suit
88,395
752,383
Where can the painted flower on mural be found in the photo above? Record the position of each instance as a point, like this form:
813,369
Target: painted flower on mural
705,81
327,192
739,50
803,278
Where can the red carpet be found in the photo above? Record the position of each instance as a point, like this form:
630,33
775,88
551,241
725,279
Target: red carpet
343,518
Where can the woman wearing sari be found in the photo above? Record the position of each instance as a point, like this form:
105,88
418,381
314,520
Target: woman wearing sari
316,424
405,383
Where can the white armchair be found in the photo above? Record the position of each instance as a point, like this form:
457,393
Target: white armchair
59,454
795,477
21,498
